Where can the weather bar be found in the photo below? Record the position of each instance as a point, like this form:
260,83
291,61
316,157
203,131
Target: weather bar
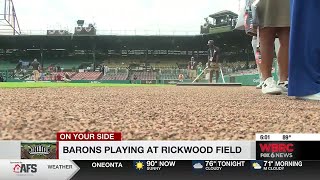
288,137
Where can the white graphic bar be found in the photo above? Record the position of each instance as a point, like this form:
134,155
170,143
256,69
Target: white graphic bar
37,169
287,137
10,149
157,150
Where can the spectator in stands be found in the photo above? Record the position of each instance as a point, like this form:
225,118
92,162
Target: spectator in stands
102,69
19,66
274,20
106,69
42,75
304,74
1,78
58,68
51,72
92,67
36,67
66,77
135,79
181,77
59,77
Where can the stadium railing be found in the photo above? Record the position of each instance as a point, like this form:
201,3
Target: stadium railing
137,32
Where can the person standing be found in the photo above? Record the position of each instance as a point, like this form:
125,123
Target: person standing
304,73
36,67
19,67
274,21
105,70
135,77
213,61
192,67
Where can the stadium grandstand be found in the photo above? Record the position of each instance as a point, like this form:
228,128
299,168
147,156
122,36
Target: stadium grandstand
84,55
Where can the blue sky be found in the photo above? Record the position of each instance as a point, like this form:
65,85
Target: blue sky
154,15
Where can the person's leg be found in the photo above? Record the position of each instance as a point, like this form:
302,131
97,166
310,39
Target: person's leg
217,76
38,76
34,76
210,76
283,54
267,36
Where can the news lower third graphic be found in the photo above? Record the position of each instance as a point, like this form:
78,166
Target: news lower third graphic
82,157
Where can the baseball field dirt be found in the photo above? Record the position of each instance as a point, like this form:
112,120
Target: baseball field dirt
153,113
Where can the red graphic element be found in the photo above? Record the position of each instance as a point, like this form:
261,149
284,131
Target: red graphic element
89,136
16,168
277,148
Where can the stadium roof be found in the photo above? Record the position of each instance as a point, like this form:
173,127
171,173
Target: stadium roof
224,40
223,13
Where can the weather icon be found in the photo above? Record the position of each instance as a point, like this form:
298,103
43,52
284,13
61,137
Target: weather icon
256,166
139,165
198,166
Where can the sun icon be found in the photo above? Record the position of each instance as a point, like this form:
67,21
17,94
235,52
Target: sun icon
139,165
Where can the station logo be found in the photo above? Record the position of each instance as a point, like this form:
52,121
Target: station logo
38,150
283,150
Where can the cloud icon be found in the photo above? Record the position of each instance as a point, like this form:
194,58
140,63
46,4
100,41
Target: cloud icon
197,166
256,166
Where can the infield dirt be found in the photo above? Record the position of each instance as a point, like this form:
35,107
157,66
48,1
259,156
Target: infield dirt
154,113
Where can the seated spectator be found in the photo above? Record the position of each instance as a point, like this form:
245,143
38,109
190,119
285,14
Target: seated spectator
66,77
42,75
1,78
181,77
59,77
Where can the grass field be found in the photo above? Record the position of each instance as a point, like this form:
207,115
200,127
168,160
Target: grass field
57,85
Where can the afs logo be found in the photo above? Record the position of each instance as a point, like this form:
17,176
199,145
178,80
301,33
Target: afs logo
276,148
20,168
